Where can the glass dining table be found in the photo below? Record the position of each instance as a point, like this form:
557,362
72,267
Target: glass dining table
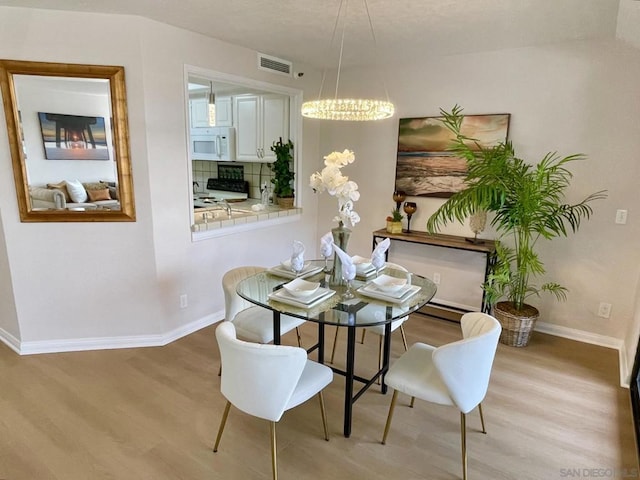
327,307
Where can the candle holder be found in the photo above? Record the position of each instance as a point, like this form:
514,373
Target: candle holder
399,196
409,208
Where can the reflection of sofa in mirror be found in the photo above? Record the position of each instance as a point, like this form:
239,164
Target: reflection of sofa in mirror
72,194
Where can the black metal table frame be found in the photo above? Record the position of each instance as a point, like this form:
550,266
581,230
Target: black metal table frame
349,373
350,377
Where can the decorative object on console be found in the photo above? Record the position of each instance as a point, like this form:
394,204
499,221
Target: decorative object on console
394,221
527,201
409,208
283,176
477,222
355,109
346,191
425,164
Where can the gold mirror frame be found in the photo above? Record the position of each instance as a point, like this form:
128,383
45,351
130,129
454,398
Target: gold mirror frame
120,135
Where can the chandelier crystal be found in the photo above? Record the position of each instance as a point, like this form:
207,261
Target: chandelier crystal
352,109
355,109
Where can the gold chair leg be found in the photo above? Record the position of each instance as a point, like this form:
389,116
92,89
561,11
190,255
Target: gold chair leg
299,338
404,338
324,416
484,430
389,416
274,455
335,340
463,439
364,330
222,424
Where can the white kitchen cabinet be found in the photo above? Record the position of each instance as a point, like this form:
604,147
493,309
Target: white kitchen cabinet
199,112
224,112
260,120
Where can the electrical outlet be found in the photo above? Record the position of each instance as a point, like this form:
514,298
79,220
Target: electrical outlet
436,278
184,302
621,217
604,310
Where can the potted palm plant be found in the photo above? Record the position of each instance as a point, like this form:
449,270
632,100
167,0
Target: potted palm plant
283,176
527,203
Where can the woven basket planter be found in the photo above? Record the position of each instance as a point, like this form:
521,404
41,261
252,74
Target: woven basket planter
285,202
516,327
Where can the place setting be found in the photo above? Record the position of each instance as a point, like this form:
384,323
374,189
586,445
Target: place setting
302,293
295,266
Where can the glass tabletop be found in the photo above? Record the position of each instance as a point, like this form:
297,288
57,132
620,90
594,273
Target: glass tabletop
370,306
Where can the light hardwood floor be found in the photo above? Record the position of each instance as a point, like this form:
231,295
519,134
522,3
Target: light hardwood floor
554,410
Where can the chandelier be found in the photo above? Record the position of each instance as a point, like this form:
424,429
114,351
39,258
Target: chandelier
354,109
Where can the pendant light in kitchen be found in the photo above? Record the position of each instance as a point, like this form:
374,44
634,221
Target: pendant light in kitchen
354,109
212,106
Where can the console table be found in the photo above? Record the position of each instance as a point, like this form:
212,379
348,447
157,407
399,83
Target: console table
487,247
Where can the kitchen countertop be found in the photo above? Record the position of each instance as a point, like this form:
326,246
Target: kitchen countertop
242,213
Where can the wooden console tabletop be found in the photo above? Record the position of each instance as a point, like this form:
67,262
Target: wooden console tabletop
438,239
487,247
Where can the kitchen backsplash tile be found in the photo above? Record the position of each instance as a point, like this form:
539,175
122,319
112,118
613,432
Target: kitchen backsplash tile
254,173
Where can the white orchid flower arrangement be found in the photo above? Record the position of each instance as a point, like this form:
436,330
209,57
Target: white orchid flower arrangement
338,185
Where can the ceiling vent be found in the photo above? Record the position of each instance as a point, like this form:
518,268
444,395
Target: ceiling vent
274,65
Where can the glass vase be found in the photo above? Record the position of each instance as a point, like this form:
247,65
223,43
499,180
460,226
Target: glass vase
341,236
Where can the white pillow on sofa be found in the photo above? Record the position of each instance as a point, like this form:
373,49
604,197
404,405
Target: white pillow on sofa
76,191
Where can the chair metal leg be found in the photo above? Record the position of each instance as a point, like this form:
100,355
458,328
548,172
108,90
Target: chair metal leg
413,399
404,337
364,330
463,439
324,416
274,454
222,424
389,416
335,340
484,430
299,338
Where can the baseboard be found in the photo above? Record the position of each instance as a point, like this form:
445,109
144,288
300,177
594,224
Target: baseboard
107,343
9,340
594,339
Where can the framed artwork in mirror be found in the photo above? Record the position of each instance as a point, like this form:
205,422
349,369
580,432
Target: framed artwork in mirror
73,137
425,167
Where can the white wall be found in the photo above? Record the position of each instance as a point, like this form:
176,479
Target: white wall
122,281
575,97
109,284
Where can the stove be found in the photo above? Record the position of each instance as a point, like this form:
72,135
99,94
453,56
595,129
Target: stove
229,189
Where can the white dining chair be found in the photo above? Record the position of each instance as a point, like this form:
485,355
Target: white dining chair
253,323
267,380
379,329
455,374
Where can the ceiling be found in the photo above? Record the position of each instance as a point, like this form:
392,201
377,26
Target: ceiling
301,30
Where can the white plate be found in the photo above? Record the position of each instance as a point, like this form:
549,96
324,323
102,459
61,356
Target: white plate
308,270
301,288
389,284
400,296
320,295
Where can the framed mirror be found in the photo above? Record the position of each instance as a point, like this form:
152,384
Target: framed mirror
69,141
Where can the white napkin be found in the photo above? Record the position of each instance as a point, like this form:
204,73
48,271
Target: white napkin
348,268
326,244
377,257
297,256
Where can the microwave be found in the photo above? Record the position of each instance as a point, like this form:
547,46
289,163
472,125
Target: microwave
213,143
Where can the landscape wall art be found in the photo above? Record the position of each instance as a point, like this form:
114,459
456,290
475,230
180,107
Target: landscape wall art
424,165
